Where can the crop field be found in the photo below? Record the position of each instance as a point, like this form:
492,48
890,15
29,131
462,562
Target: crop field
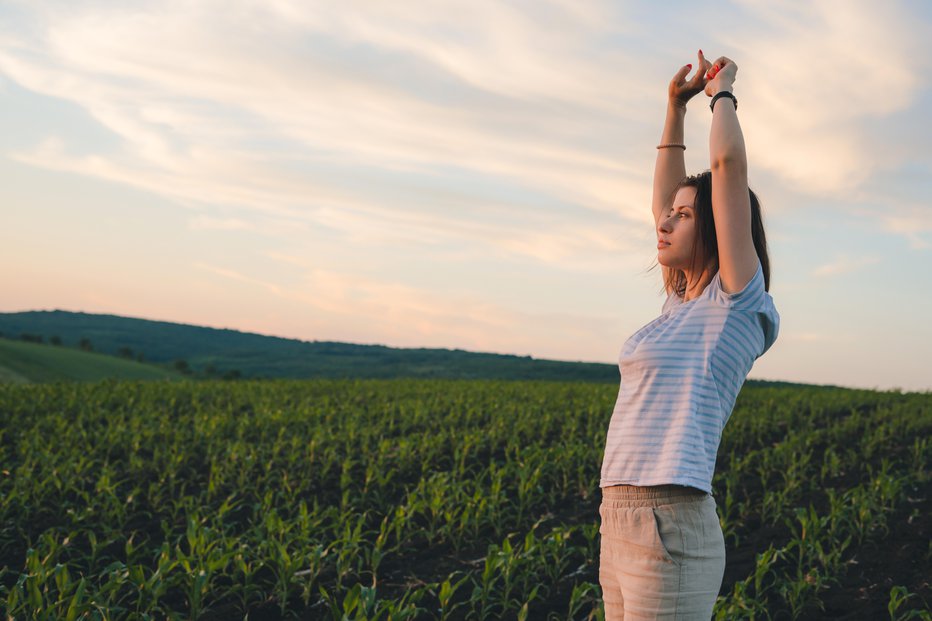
433,499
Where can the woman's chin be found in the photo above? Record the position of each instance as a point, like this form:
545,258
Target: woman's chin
668,264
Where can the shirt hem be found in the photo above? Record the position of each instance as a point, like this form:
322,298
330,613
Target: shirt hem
705,487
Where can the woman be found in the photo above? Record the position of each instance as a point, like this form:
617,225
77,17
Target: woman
662,549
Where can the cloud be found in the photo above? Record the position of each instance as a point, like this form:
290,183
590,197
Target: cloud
842,54
343,118
234,275
912,223
201,223
348,304
844,265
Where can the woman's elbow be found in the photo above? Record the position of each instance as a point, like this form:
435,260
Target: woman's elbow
731,162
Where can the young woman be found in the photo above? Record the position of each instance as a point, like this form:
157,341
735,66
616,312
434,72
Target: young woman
662,550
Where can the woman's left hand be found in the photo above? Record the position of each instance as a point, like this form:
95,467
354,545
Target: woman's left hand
721,76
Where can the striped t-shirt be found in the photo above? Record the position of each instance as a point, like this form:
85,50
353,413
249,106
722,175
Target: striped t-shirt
680,376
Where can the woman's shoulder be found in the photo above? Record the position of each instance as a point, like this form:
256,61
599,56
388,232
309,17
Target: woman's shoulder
751,297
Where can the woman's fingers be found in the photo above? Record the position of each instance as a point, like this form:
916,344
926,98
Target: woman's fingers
680,76
683,89
722,63
702,72
679,88
716,66
704,65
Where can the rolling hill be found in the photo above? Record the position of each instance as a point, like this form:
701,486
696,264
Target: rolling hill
22,362
218,352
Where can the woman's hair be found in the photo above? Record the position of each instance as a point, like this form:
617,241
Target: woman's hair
705,250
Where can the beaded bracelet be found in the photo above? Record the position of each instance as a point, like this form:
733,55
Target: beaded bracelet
671,144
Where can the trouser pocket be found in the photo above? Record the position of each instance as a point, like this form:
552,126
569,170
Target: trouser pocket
668,531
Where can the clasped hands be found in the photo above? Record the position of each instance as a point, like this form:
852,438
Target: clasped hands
711,77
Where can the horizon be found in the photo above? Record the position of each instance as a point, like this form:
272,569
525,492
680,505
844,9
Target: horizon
477,179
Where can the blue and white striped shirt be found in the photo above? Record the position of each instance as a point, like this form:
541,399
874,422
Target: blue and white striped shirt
680,377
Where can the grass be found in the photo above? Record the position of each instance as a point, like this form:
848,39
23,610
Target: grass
23,362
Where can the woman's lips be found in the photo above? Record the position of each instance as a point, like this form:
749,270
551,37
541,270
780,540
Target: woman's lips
662,245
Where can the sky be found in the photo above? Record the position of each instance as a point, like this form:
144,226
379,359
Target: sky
472,175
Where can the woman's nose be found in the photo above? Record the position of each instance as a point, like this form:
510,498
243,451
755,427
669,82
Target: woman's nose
664,224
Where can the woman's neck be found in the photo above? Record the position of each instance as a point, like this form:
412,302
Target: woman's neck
697,282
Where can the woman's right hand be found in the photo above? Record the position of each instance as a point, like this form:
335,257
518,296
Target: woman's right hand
680,90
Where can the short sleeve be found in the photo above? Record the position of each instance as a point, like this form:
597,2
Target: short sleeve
754,299
770,322
748,299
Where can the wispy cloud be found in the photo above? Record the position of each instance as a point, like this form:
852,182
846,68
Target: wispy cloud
911,222
307,109
411,316
819,141
336,115
843,265
201,223
234,275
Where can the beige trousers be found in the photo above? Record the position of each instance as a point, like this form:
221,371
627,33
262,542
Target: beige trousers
662,553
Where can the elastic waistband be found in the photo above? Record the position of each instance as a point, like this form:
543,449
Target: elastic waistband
650,495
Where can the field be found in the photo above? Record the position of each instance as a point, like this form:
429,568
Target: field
22,362
433,499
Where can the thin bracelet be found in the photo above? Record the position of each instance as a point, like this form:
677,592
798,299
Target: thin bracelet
671,144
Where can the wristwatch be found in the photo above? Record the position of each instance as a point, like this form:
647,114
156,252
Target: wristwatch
722,94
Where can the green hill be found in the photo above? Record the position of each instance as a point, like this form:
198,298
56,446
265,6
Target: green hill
22,362
216,352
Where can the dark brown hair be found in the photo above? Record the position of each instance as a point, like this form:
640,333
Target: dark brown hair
705,250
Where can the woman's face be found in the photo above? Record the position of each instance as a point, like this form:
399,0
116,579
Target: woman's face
676,231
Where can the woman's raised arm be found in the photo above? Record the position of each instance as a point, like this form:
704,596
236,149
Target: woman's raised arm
670,167
731,200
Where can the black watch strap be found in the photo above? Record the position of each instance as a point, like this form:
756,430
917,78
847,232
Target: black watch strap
722,94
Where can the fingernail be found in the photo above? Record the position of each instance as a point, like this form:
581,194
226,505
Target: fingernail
700,51
690,65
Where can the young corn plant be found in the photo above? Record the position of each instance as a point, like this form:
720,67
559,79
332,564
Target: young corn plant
898,597
552,553
359,604
584,593
349,556
445,595
749,597
731,508
483,590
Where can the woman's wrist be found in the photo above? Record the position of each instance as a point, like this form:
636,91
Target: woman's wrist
727,86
